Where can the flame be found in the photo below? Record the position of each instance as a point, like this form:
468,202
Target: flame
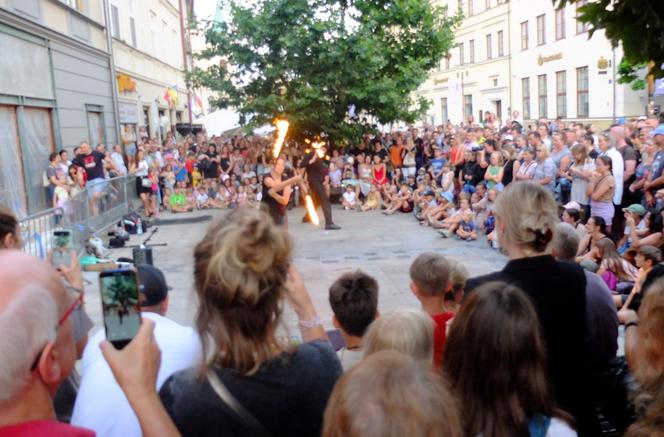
282,130
317,147
313,215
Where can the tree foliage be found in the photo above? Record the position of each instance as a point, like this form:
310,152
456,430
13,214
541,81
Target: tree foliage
636,24
310,60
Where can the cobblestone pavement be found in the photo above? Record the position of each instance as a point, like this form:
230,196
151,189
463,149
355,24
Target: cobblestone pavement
380,245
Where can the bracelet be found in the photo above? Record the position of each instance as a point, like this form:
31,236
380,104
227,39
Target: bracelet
308,324
627,325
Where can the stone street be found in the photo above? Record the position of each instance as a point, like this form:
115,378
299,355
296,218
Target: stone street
382,246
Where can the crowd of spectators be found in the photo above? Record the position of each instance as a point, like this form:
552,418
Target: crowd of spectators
528,350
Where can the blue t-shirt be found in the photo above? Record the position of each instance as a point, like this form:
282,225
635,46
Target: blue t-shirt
437,164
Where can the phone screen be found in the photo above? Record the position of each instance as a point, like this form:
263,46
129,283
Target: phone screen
120,305
62,245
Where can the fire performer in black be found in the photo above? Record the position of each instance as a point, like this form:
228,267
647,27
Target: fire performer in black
277,192
313,164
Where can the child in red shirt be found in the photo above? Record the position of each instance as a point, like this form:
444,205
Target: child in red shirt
430,282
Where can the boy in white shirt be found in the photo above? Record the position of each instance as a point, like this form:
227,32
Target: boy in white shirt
349,198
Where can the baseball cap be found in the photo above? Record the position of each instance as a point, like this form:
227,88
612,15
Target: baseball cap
448,196
572,205
659,130
152,284
509,138
428,193
636,209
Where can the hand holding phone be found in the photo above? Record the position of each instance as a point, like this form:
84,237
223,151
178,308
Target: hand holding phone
120,305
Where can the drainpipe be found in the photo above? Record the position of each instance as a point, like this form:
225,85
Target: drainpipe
184,59
613,82
114,79
509,59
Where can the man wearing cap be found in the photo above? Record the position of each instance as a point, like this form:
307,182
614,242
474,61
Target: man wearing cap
655,177
634,226
99,394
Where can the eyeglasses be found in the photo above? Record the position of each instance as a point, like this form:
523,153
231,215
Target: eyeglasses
61,321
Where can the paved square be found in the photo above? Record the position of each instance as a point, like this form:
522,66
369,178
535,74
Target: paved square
382,246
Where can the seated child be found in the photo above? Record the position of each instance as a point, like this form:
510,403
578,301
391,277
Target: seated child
430,281
372,202
202,199
242,196
443,209
467,230
178,201
451,223
402,201
349,198
354,301
196,177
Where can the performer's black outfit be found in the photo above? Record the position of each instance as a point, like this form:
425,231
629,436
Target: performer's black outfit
315,175
276,210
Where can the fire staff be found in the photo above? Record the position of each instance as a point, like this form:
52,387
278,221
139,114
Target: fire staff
313,164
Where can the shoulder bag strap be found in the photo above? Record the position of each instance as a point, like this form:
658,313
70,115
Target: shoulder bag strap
247,418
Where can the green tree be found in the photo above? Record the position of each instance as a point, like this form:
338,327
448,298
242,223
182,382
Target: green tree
636,24
310,60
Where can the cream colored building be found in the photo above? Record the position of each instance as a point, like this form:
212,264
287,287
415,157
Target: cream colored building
525,56
558,72
150,65
475,78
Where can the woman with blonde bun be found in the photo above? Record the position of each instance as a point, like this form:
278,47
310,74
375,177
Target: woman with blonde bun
242,276
526,218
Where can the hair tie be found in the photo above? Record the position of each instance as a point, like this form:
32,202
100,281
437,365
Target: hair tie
542,239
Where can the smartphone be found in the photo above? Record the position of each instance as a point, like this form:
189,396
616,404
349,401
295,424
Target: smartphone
62,246
120,305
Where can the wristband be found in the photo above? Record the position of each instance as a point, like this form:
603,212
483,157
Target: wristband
627,325
308,324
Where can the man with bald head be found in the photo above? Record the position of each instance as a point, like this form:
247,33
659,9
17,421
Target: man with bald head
37,348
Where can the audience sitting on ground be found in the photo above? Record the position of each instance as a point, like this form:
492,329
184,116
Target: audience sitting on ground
390,394
354,302
408,331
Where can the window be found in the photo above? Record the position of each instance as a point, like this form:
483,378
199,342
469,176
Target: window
489,54
524,35
541,95
467,105
461,60
560,23
447,62
470,7
501,44
541,30
115,22
525,97
471,50
79,5
95,127
443,109
132,29
561,94
582,101
580,27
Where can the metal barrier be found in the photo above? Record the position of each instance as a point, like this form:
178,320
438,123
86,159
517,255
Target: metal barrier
85,214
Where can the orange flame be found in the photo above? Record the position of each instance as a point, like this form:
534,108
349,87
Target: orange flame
313,215
282,130
317,147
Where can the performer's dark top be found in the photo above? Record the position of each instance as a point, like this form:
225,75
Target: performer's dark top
275,208
316,170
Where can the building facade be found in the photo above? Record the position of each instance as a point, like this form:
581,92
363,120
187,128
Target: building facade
527,56
475,77
557,71
56,90
148,40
